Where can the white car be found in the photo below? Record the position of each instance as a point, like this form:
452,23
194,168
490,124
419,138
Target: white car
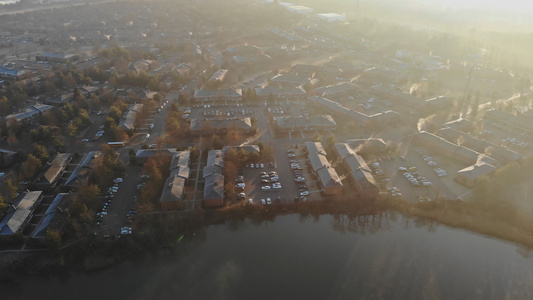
292,155
263,201
300,179
304,193
250,201
85,140
432,163
262,166
265,188
269,201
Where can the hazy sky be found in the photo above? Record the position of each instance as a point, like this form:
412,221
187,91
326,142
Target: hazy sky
511,4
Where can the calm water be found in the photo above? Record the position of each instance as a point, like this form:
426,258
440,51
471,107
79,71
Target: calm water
297,258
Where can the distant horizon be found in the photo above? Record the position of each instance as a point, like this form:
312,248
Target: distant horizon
6,2
508,5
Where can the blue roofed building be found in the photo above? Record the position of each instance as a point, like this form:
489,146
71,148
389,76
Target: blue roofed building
14,74
29,114
19,214
54,217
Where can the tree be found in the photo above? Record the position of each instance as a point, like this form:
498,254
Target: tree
133,159
330,143
30,167
3,205
233,156
230,172
58,144
40,152
72,129
217,142
317,137
9,190
115,113
53,239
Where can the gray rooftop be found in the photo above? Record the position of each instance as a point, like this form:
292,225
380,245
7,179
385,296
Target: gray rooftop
329,178
14,219
214,186
215,163
477,170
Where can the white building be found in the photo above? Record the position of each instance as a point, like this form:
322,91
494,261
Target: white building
299,9
332,17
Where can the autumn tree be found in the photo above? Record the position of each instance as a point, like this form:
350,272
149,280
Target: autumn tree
230,172
40,152
9,190
217,142
30,167
3,205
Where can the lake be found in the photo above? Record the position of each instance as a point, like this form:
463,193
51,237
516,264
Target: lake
298,257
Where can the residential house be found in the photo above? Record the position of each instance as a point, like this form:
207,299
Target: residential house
290,123
328,179
52,172
54,217
214,180
360,174
19,214
174,188
469,175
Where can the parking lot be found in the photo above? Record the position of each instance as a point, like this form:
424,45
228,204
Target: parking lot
121,203
286,180
417,176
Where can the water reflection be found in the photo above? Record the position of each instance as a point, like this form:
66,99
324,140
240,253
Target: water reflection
310,256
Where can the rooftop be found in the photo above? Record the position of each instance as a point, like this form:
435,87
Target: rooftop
54,217
15,218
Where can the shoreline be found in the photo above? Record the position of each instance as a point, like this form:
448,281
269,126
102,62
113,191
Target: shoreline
92,255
